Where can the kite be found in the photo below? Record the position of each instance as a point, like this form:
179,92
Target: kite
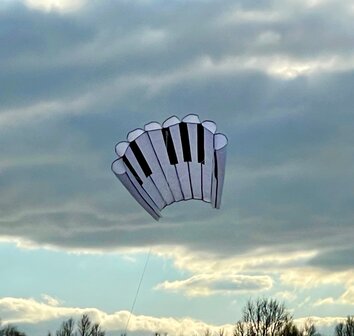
178,160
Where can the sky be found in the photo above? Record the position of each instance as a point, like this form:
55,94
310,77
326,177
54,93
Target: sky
76,76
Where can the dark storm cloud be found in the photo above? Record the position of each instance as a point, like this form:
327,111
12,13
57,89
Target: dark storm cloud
335,260
51,55
30,41
290,159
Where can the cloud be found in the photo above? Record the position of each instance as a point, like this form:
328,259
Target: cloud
23,310
211,284
50,300
237,16
286,295
348,296
256,260
335,259
309,277
320,321
29,311
270,39
57,5
326,301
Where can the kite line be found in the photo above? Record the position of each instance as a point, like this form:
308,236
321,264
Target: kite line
137,291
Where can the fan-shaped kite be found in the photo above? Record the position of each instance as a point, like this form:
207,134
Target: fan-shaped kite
175,161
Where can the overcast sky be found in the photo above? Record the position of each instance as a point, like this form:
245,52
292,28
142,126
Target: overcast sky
76,76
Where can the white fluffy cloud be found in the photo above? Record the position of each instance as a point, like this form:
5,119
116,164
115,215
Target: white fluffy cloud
258,259
210,284
310,277
23,310
325,301
348,296
51,301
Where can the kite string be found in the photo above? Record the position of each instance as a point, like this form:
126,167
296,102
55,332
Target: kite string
137,291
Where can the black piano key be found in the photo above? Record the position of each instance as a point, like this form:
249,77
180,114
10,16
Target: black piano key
201,152
132,170
167,137
215,166
183,128
141,159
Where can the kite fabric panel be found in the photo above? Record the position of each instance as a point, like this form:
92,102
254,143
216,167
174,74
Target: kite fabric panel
178,160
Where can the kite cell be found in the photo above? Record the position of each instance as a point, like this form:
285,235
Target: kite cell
175,161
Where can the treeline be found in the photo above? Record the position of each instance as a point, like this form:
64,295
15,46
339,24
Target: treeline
83,327
268,317
262,317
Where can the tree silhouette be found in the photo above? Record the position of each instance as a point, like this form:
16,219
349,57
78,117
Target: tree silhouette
67,328
207,332
84,326
346,328
221,332
96,330
309,329
10,330
291,330
264,317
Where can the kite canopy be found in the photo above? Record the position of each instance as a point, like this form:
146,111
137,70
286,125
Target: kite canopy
175,161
